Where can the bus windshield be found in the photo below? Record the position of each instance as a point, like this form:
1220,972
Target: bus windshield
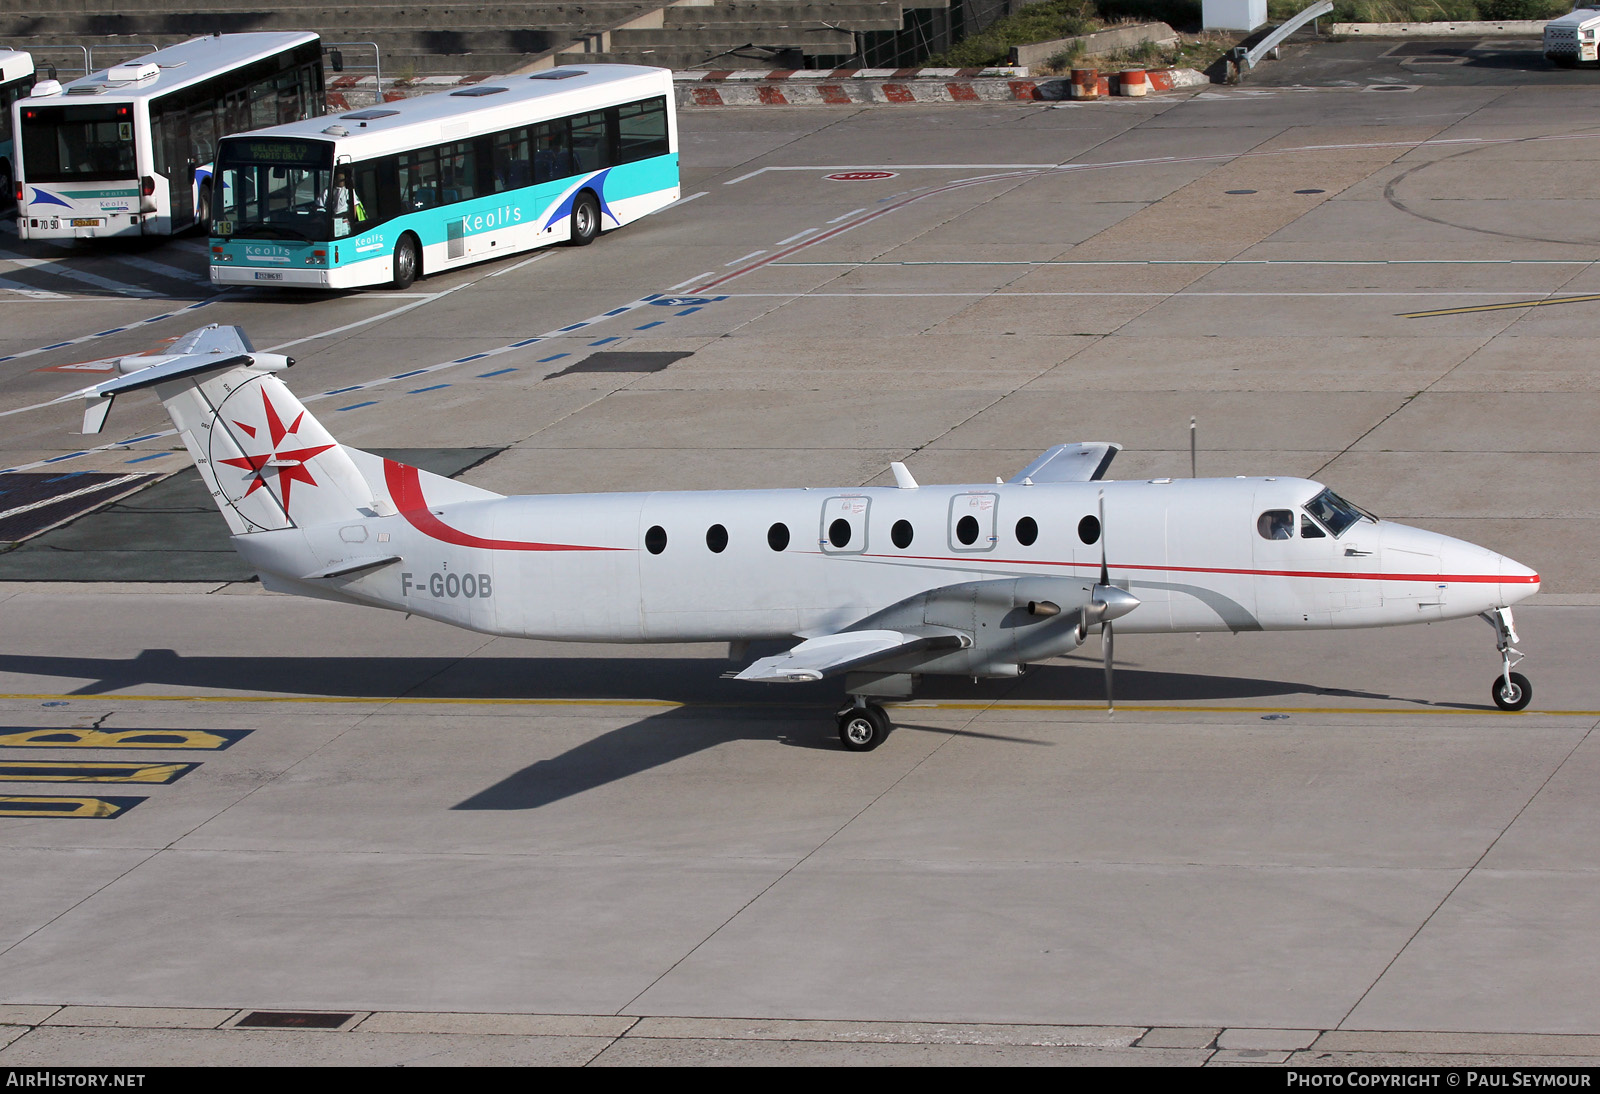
78,143
275,188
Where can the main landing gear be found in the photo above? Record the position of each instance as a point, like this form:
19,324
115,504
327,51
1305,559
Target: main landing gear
1511,689
863,725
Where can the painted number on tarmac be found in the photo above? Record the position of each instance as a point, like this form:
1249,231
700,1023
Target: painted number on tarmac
106,771
211,740
54,806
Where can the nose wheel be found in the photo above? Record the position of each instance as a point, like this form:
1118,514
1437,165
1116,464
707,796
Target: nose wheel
1511,689
863,726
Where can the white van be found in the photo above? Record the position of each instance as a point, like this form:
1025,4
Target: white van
1571,38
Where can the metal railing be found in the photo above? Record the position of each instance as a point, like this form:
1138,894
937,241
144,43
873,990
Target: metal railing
1241,58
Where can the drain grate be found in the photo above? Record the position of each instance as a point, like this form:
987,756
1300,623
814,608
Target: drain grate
623,361
292,1019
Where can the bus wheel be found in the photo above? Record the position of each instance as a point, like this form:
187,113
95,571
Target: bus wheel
585,220
407,263
202,210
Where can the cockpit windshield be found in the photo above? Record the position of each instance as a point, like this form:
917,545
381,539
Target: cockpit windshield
1336,514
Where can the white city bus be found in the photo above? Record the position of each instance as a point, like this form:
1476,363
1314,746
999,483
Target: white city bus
426,184
16,80
128,151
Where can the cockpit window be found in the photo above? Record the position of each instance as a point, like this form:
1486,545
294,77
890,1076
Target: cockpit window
1276,524
1310,529
1336,514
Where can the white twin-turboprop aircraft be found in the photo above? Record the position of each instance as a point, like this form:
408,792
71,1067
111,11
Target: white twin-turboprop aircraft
880,584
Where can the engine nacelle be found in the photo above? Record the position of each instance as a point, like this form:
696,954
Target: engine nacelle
1012,621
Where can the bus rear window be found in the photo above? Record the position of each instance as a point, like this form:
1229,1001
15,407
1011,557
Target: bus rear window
72,143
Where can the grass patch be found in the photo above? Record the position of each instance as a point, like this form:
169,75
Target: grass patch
1426,11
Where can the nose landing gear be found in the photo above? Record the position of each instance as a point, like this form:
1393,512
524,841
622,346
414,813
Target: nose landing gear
1511,689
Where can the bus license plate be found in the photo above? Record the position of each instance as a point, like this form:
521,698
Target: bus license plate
268,275
85,222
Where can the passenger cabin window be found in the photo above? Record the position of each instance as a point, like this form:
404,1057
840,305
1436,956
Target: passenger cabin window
1276,524
778,537
901,534
1027,531
1089,529
655,540
717,539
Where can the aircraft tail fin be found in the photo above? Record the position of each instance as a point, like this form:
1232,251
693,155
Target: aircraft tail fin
267,461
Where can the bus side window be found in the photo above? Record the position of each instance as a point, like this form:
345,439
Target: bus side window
642,130
590,144
552,152
458,174
370,198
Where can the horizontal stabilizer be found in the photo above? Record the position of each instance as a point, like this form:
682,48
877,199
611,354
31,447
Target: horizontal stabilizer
351,566
1086,461
816,658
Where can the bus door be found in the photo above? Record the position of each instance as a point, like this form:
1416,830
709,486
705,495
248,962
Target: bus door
169,144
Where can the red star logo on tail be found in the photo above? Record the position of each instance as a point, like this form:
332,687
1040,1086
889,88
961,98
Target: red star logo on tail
288,465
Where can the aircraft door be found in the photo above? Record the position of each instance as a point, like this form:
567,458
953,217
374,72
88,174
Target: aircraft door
843,529
972,522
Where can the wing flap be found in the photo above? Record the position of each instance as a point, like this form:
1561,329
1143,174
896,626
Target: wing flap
830,654
1085,461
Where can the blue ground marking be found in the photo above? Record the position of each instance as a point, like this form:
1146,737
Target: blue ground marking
496,372
68,456
603,341
136,440
342,390
420,390
103,333
141,459
647,326
464,360
557,357
617,311
358,406
403,375
64,478
524,342
574,326
58,345
688,311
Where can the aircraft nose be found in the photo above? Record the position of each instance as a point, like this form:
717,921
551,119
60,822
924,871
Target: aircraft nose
1517,582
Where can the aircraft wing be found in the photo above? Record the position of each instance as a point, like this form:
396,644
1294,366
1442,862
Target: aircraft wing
1082,462
830,654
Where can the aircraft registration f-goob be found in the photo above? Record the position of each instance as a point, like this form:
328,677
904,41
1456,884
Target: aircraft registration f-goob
879,584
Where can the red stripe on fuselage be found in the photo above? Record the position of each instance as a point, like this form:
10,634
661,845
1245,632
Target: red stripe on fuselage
405,488
1481,579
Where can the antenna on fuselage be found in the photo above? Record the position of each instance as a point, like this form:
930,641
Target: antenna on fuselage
1194,461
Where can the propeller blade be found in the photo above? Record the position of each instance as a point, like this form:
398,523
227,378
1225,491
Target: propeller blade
1105,578
1105,650
1105,626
